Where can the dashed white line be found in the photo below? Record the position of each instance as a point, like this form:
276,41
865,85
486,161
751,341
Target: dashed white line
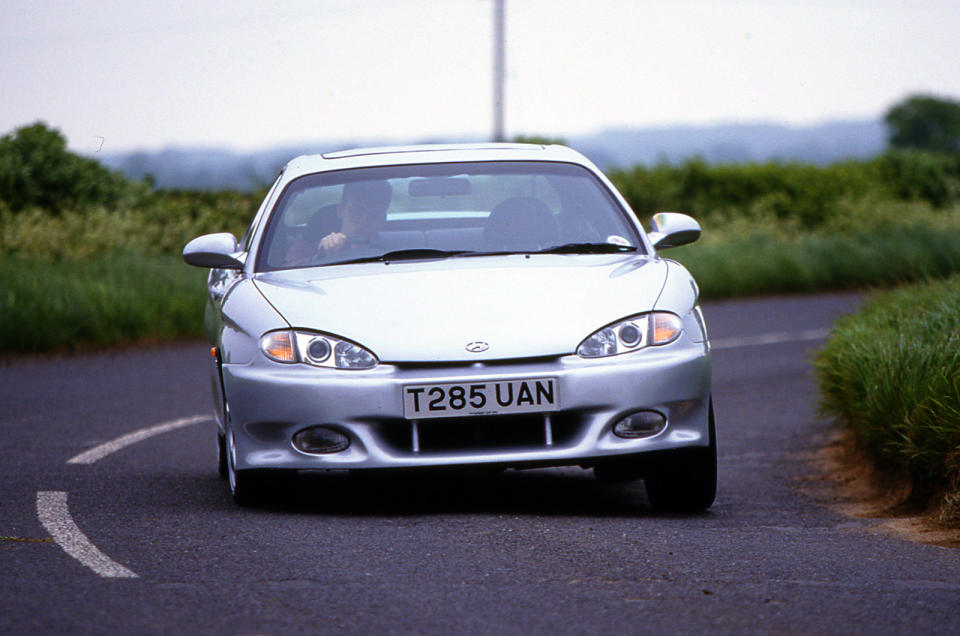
770,338
55,517
101,451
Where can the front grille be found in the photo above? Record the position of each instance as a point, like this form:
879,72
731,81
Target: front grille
489,434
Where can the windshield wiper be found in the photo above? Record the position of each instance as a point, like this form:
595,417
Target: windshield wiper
410,254
587,248
426,253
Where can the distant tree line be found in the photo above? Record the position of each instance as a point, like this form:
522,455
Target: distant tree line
37,171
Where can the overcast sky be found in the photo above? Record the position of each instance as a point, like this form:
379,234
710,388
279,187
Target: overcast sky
249,74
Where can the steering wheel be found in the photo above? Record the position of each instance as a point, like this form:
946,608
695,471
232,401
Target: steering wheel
354,242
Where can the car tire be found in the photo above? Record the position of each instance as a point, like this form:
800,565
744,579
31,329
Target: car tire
685,480
222,455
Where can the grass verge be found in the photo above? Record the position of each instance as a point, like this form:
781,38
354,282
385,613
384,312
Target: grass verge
892,374
812,262
73,305
866,243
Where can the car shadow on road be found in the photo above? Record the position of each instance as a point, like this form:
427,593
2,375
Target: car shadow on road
548,492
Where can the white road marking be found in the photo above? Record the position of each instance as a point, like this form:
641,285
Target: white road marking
101,451
770,338
55,517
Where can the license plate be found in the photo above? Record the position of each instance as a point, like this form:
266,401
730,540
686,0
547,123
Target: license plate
492,397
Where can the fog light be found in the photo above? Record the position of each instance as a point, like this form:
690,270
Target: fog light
640,424
320,440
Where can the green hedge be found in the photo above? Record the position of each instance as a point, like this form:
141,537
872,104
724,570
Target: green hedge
892,373
161,222
810,195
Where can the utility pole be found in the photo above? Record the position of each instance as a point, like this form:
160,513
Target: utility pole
498,69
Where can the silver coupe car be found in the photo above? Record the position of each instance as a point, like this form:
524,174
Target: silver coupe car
492,305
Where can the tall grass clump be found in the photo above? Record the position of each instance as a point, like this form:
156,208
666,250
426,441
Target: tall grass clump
892,374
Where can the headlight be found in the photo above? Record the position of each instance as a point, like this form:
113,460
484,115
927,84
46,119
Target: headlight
319,350
630,334
351,356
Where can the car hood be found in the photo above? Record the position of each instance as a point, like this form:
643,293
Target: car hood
429,311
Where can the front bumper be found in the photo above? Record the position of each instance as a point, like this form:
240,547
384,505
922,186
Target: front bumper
270,402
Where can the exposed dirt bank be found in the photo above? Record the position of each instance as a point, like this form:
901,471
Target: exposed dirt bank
849,482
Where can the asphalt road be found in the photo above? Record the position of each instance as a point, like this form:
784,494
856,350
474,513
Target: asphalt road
518,552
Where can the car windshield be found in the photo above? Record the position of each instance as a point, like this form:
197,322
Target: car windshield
441,211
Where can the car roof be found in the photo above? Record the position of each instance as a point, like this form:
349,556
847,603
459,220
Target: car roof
430,153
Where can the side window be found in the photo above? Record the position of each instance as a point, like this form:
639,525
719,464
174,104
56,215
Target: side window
301,205
248,235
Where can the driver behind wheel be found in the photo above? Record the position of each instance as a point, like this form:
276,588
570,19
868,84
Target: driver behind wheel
362,211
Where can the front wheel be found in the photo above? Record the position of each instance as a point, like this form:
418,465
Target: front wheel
686,480
222,468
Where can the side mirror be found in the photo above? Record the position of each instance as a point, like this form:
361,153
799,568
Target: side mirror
672,229
213,250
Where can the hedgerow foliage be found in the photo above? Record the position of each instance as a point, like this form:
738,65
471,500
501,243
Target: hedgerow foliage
807,194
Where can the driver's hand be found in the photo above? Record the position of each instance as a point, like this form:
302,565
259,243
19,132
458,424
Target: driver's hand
333,242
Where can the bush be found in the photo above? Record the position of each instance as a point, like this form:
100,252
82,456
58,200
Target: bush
37,170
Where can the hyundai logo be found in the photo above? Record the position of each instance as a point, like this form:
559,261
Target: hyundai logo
477,347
